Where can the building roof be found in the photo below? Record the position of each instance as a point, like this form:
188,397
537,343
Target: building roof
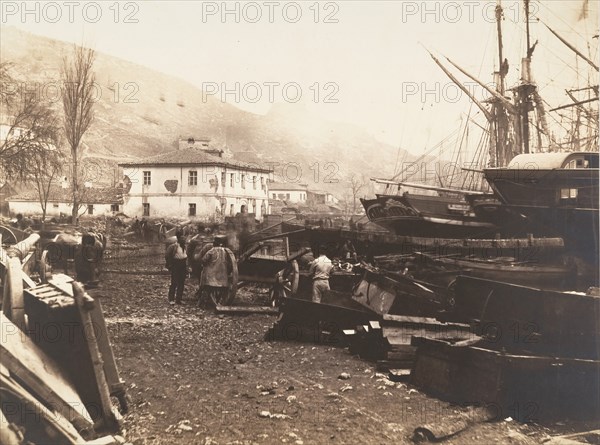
319,192
546,161
192,157
91,195
288,186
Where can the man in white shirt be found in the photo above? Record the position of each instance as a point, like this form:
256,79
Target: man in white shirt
319,272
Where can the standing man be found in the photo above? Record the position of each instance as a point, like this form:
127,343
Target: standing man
215,272
348,252
319,271
197,267
176,260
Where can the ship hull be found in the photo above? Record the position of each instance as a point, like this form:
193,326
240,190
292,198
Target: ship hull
561,202
427,216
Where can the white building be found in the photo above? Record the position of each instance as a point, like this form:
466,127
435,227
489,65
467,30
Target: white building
288,191
194,182
94,202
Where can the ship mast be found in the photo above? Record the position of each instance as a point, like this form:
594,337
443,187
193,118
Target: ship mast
501,72
525,90
499,124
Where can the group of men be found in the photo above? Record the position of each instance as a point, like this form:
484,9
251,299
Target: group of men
213,268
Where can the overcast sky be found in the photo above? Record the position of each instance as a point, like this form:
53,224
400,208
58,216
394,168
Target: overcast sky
362,62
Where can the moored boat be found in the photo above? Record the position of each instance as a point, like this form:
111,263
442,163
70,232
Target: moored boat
558,191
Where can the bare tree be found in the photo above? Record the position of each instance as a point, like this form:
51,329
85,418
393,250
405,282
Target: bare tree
31,125
356,185
78,102
46,165
346,198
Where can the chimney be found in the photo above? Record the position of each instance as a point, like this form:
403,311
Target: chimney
202,143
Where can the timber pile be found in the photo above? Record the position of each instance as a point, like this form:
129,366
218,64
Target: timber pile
538,358
57,369
388,342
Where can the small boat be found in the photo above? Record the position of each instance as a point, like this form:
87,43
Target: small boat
448,215
528,273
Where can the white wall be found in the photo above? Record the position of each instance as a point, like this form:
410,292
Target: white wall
210,194
55,209
295,195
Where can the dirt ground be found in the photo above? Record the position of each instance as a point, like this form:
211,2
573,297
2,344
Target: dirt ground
198,377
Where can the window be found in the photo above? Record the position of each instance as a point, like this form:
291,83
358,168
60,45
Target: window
287,195
146,207
274,196
193,178
243,181
231,209
147,178
231,179
577,163
254,182
192,209
568,193
114,207
223,179
55,206
90,209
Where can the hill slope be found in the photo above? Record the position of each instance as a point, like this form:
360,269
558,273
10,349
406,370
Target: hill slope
141,112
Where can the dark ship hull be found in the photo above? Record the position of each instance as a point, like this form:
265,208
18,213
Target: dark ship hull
559,201
428,216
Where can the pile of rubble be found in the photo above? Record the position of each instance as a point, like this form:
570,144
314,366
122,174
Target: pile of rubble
523,353
58,375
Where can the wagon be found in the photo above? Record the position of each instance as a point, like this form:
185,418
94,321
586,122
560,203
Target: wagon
254,266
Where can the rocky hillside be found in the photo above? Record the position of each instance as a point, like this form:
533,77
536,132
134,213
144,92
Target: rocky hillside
142,112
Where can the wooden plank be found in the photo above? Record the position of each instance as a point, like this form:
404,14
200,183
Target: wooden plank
401,356
374,325
397,349
44,416
398,375
444,428
115,384
84,302
420,320
248,309
63,283
26,360
386,365
583,438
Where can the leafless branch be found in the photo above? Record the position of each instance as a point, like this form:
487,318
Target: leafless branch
78,103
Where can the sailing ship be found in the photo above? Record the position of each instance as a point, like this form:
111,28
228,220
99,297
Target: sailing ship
483,213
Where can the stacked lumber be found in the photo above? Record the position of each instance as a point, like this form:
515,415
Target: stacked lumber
388,342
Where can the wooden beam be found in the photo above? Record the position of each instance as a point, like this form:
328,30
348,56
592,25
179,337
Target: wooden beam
248,309
41,374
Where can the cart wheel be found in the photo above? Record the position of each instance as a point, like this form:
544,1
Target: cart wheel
451,295
227,298
8,236
12,301
45,268
286,283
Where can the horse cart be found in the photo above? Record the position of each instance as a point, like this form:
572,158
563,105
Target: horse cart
254,266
